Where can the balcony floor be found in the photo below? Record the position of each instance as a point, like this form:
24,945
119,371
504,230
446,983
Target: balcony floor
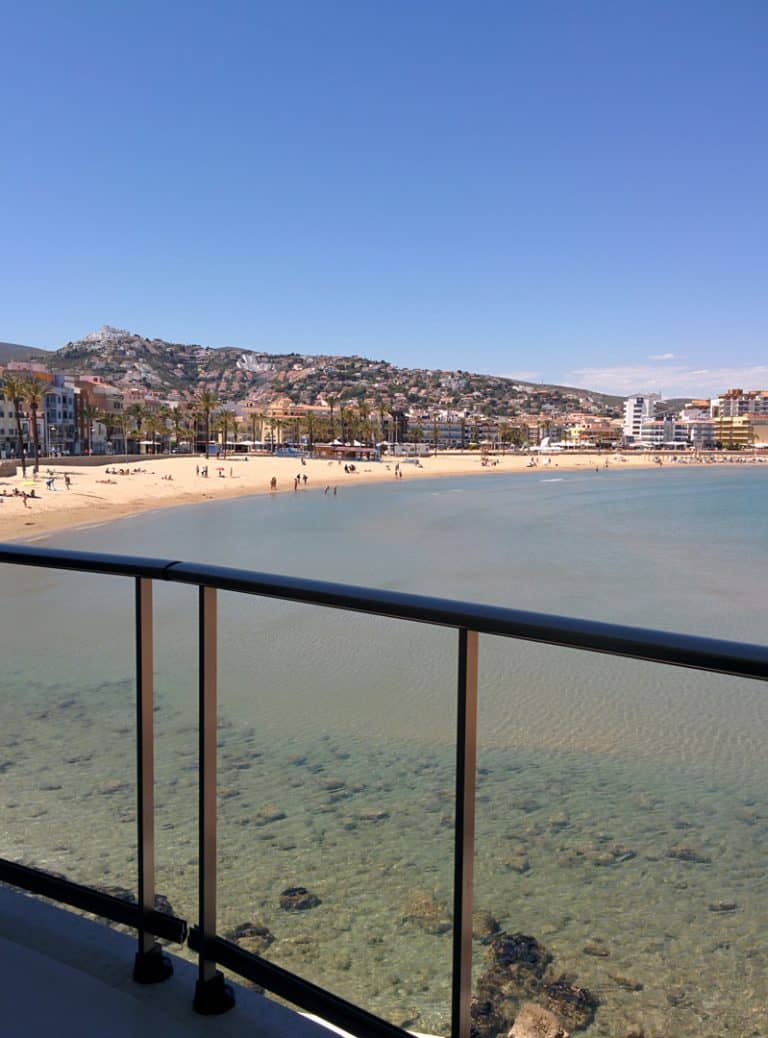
70,977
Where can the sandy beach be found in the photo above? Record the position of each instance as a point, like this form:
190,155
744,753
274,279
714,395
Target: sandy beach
100,493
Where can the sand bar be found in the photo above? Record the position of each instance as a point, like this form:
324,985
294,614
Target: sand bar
113,490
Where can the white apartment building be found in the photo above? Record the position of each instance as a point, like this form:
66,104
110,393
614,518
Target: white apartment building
638,409
736,403
666,432
701,432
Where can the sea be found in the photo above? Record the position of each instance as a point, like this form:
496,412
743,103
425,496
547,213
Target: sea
622,812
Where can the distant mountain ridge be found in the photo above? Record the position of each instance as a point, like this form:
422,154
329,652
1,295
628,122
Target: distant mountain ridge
15,351
179,370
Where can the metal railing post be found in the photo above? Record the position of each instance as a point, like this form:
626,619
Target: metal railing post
150,965
464,847
212,995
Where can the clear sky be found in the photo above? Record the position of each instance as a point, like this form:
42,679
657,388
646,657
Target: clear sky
566,191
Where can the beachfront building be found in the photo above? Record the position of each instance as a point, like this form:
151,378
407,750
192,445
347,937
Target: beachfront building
59,414
695,410
701,432
638,409
106,398
759,431
736,403
734,432
593,432
665,432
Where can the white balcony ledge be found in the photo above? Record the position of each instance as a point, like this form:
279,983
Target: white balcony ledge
63,975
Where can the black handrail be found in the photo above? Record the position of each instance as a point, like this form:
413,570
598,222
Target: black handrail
91,899
740,659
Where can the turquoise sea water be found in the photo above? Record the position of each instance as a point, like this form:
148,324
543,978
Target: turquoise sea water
337,734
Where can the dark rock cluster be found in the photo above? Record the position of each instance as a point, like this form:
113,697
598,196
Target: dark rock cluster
519,974
298,899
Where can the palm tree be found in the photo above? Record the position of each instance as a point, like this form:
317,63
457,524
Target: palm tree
310,424
226,418
382,412
15,389
206,402
135,416
152,426
89,415
331,403
35,394
177,418
365,421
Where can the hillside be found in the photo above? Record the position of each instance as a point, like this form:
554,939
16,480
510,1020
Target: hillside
14,351
179,370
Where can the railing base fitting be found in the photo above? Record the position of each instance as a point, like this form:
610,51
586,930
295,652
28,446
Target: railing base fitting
213,997
152,967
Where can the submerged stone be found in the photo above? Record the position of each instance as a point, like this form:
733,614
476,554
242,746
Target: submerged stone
575,1006
723,906
484,926
427,912
298,899
533,1021
266,814
683,852
251,937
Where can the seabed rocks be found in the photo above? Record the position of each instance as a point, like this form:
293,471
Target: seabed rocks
519,984
298,899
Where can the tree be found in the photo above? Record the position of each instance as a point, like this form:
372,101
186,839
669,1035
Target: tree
135,419
14,389
331,404
365,421
152,426
178,423
89,413
206,402
35,394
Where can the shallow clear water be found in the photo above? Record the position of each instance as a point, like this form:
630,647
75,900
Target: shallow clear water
592,769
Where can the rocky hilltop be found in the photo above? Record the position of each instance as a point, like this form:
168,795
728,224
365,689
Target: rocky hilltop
179,370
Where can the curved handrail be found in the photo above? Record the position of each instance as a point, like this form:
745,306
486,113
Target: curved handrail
740,659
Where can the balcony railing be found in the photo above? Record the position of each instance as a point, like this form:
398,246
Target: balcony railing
212,995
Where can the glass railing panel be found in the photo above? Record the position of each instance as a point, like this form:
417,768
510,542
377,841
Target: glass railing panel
176,747
67,725
622,828
336,784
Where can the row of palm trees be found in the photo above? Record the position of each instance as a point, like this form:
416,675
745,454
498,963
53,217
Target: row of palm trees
24,392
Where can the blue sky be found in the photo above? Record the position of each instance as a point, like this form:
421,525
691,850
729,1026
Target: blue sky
566,191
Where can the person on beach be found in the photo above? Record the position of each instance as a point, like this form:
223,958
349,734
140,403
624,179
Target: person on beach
305,478
325,492
197,470
67,482
273,483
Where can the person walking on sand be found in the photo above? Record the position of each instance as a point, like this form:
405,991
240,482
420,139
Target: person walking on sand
67,482
197,470
273,483
305,477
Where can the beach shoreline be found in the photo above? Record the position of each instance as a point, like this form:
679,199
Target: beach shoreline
99,494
